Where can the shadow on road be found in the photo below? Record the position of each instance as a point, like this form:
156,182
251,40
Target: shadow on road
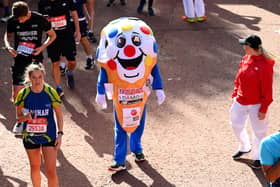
250,22
100,130
5,181
258,172
69,175
273,5
126,177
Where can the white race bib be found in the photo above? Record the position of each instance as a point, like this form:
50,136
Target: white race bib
131,117
58,22
25,48
37,125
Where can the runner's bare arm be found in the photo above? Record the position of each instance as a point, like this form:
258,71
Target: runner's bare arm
10,49
59,118
77,25
271,172
20,117
91,12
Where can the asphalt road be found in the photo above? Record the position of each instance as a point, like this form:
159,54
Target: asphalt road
188,140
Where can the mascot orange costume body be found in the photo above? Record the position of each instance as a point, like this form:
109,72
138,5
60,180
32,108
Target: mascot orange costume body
127,54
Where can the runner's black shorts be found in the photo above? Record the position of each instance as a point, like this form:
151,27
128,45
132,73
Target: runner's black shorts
36,146
19,66
64,45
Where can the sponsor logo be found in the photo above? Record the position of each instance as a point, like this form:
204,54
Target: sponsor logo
34,26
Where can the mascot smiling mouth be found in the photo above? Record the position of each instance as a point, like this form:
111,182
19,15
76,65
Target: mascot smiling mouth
130,64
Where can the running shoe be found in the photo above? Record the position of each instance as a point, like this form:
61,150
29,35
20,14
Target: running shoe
110,3
70,80
59,91
151,11
201,18
139,157
190,20
238,154
90,64
4,19
62,68
117,167
140,9
91,37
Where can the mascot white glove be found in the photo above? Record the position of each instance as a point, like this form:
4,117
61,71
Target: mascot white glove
160,96
101,100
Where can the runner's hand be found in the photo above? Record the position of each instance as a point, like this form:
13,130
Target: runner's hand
160,96
58,141
101,100
77,36
28,116
12,52
261,115
38,50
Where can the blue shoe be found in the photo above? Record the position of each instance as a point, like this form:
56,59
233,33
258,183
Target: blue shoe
59,91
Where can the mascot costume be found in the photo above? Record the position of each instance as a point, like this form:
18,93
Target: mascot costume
127,55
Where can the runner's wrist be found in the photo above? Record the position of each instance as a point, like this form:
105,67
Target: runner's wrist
60,133
8,48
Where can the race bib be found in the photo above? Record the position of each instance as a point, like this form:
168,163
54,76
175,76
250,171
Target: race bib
58,22
128,96
131,117
25,48
37,125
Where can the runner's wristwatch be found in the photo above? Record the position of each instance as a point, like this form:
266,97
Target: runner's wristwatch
60,132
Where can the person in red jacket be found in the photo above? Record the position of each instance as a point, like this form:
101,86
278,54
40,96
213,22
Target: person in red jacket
252,96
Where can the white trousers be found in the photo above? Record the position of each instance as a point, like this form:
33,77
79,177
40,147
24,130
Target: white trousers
194,8
239,115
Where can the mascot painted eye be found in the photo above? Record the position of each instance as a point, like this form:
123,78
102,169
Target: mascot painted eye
106,43
121,41
136,40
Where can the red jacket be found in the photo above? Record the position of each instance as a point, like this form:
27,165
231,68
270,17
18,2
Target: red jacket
253,82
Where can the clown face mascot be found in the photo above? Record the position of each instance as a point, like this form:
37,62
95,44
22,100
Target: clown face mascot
127,55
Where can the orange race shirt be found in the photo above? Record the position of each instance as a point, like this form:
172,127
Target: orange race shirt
129,98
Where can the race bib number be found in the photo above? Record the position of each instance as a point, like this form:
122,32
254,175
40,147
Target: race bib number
58,22
25,48
128,96
131,117
37,125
